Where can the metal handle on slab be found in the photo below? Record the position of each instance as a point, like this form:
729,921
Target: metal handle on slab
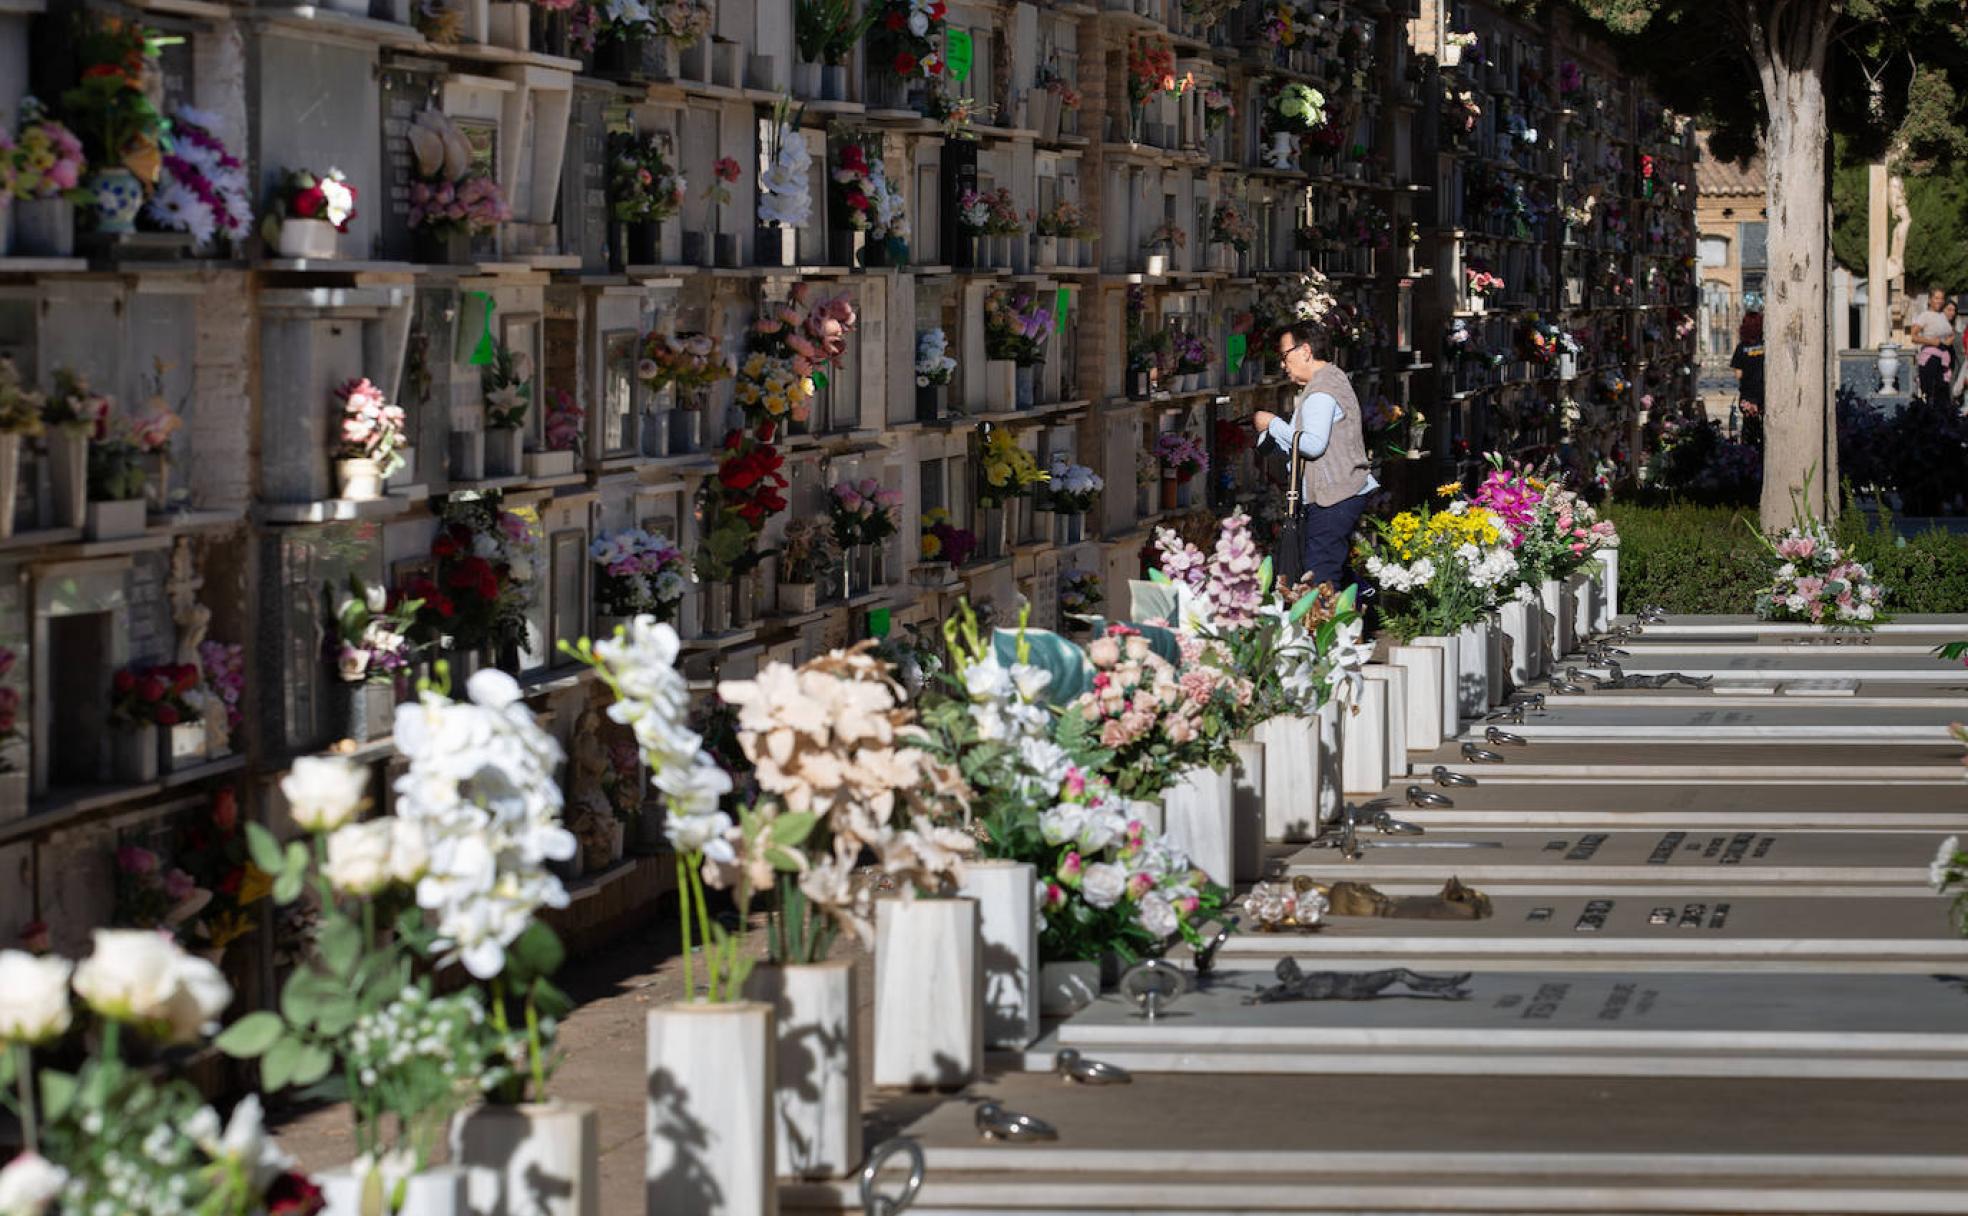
1499,736
1421,797
873,1202
1076,1067
1206,957
994,1122
1567,687
1446,776
1384,820
1480,755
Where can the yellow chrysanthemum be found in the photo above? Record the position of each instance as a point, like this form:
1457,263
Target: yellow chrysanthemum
1449,489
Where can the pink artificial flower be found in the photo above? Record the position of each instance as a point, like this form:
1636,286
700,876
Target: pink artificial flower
132,860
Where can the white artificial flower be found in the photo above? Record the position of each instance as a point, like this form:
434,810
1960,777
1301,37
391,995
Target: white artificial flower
34,1004
1102,884
707,834
244,1141
136,975
325,792
1062,823
919,24
1943,862
29,1184
1157,914
359,857
1103,826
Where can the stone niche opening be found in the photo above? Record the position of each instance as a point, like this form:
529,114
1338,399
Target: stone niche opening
81,638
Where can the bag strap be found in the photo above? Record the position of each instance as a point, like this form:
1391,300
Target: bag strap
1297,464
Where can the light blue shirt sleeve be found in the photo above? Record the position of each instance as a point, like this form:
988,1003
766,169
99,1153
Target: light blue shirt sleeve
1322,410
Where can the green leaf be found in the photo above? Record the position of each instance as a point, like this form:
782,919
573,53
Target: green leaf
340,944
287,887
551,1001
277,1065
297,856
1303,606
537,951
336,1015
311,1065
793,828
58,1091
251,1036
1349,597
1264,577
263,848
1157,577
783,861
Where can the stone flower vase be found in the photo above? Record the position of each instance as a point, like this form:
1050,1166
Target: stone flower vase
537,1157
44,228
313,240
1363,726
710,1136
438,1191
1200,806
1425,693
10,446
359,480
68,471
1290,746
817,1103
1008,927
133,754
929,1025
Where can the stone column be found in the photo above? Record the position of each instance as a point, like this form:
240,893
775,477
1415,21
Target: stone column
1878,230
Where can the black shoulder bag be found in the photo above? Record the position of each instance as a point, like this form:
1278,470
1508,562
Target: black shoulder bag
1288,560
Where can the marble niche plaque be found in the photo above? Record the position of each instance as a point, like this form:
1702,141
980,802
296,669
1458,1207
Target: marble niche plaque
1580,806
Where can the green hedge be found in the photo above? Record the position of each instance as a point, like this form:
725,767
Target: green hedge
1705,559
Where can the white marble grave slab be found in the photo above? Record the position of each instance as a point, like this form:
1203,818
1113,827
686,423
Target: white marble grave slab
1847,694
1581,720
1626,931
1939,808
1590,861
1710,760
1746,626
1441,1144
1751,665
1558,1023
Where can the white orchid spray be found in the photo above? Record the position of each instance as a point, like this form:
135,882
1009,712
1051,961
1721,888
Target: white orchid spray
653,700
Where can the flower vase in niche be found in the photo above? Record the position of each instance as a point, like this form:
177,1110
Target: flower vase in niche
452,201
49,167
371,440
507,383
310,212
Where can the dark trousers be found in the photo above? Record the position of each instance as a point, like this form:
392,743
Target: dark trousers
1934,381
1326,535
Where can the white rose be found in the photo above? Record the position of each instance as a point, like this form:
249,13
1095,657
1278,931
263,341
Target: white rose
29,1184
33,999
409,854
1101,884
359,857
1156,914
1062,823
135,975
325,792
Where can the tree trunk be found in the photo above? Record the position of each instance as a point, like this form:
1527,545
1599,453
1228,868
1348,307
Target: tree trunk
1799,406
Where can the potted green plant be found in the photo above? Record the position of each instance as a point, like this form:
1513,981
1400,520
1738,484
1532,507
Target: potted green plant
117,509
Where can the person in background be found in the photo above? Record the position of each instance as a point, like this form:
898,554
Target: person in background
1748,362
1336,481
1932,335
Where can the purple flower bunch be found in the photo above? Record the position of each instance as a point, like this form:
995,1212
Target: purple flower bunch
1514,498
1236,592
472,204
1181,454
863,512
203,188
224,664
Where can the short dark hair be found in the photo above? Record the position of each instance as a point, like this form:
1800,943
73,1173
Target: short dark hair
1311,335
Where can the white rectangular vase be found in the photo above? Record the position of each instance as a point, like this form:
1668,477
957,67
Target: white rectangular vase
1326,792
1585,604
1557,607
68,474
1519,621
1494,671
1247,809
817,1109
1363,767
1149,812
1609,587
1396,679
1008,926
537,1157
1200,808
1451,700
1424,693
1291,776
437,1190
1473,678
709,1130
929,1026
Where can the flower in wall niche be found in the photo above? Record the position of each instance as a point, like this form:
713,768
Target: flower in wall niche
872,204
449,194
20,407
943,541
372,428
786,196
373,642
1181,455
73,405
1071,487
638,572
934,365
202,189
481,787
154,695
306,195
1007,470
564,417
642,187
689,362
507,383
224,664
1481,280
